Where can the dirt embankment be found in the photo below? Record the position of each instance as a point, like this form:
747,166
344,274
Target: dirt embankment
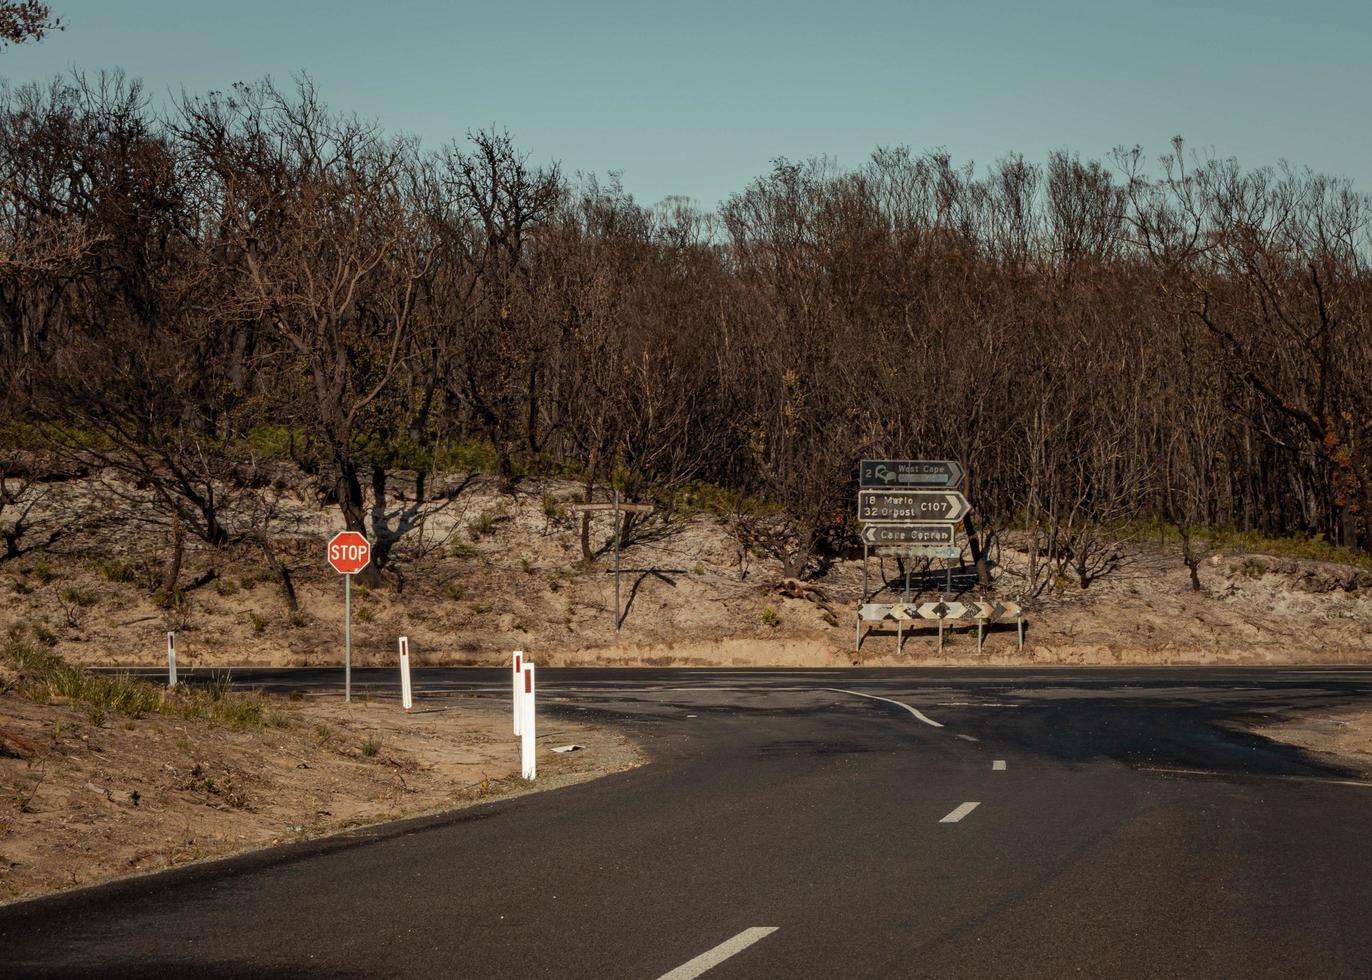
85,797
496,572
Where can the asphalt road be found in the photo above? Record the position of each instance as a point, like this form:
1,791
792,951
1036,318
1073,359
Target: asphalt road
980,823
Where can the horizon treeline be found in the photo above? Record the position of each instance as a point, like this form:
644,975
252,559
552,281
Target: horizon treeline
1176,340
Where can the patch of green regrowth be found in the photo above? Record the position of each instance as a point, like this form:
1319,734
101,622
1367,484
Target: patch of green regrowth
45,677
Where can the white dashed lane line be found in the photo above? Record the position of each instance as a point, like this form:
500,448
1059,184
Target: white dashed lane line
962,811
713,957
998,765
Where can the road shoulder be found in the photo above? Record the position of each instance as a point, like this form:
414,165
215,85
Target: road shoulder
89,799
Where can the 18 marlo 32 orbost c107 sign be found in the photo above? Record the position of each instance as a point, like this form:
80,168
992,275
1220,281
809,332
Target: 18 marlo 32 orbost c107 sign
911,506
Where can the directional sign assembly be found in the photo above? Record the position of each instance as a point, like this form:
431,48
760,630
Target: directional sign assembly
906,506
900,473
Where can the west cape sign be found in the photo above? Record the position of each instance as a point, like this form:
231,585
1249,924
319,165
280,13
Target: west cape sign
945,474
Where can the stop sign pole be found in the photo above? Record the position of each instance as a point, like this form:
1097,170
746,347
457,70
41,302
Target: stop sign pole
349,553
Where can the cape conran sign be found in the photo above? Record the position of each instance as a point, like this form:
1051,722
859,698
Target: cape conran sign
911,506
909,534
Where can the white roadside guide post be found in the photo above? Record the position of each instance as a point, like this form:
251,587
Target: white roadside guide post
529,767
406,697
517,688
171,659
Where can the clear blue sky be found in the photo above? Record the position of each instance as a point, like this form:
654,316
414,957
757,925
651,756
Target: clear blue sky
695,97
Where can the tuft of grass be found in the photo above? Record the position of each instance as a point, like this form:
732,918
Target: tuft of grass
81,598
297,619
21,587
46,676
365,614
44,635
259,622
370,747
454,592
113,570
43,571
770,617
484,523
527,566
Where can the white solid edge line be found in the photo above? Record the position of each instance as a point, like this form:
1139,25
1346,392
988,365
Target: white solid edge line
998,765
914,711
1364,784
713,957
960,812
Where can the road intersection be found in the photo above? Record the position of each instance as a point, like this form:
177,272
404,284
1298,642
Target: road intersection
853,823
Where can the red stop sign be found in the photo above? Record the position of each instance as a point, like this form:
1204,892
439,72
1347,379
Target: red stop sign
349,552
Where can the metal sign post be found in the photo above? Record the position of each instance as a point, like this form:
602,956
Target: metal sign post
617,622
617,507
348,553
347,636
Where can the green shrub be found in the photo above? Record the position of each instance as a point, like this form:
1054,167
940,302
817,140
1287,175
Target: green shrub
259,622
770,617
